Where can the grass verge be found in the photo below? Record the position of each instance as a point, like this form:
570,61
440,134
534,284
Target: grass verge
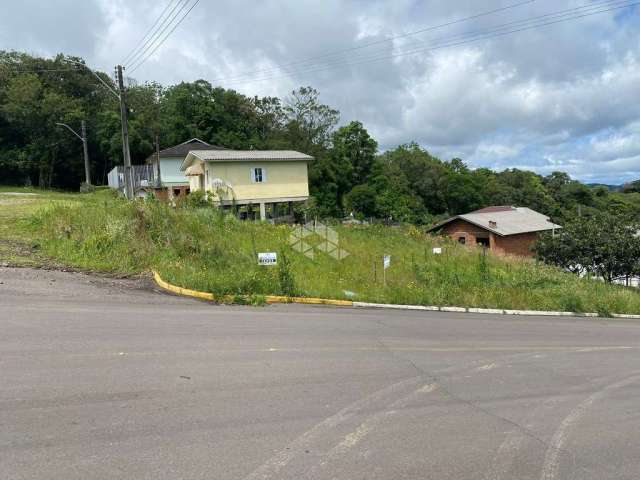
204,250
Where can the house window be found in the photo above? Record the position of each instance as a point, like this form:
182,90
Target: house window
258,175
483,242
462,240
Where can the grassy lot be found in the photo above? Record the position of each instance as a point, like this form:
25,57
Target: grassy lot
204,250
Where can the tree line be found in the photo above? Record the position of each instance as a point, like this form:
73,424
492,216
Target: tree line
348,176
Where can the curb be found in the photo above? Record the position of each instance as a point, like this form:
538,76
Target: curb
493,311
271,299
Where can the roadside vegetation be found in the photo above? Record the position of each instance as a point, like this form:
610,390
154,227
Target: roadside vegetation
203,249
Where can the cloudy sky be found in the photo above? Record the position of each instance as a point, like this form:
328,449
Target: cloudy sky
565,96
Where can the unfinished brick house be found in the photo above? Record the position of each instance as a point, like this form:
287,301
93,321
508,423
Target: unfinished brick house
504,230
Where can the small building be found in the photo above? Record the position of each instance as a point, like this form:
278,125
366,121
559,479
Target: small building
161,172
271,179
170,181
502,229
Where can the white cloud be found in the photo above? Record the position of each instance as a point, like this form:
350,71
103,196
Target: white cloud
559,97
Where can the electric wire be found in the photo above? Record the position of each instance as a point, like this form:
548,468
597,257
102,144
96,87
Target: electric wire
143,39
473,37
141,61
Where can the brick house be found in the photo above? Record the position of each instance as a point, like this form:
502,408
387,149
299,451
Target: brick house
504,230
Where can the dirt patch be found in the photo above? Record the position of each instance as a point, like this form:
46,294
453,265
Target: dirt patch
21,194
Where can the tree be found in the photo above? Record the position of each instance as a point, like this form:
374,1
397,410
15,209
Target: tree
604,245
309,123
361,200
354,152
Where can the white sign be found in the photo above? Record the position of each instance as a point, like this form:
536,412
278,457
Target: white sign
267,258
386,261
437,250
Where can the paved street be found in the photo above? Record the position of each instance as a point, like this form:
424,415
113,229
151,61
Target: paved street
104,379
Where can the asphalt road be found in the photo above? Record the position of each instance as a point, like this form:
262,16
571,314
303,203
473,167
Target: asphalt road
105,379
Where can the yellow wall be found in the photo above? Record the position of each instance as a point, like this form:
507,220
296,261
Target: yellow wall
284,179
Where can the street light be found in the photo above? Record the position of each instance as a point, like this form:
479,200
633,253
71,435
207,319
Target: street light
82,138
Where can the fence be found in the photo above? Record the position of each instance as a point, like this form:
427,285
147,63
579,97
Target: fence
143,176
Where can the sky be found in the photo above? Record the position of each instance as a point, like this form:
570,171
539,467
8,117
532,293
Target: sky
563,96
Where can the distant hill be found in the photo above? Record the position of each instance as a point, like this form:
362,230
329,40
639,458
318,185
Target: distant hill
612,188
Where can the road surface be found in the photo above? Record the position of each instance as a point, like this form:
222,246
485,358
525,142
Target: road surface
105,379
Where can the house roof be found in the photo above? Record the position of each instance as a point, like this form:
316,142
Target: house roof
505,221
184,148
244,156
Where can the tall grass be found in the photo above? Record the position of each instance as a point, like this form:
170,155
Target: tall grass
201,248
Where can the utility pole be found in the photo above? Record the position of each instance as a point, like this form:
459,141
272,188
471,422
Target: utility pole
128,177
87,171
158,180
83,138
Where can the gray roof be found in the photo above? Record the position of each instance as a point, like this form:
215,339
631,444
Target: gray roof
183,149
505,221
242,155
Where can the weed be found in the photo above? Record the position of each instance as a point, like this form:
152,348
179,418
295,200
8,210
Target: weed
205,249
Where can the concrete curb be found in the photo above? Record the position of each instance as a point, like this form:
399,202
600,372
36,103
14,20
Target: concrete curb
493,311
271,299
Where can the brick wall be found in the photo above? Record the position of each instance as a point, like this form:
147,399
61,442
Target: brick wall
459,228
516,244
519,245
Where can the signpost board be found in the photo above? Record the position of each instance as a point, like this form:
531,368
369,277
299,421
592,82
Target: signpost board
267,258
437,250
386,263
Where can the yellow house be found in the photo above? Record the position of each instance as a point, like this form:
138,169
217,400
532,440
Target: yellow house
268,178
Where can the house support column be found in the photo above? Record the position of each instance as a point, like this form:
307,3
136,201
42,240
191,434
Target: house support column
263,211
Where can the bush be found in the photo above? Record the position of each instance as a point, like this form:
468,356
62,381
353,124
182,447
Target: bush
197,199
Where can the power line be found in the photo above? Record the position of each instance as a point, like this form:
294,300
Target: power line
474,37
384,40
143,40
460,35
140,62
166,23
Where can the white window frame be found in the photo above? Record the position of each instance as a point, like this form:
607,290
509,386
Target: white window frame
262,176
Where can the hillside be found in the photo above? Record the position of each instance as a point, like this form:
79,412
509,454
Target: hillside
202,249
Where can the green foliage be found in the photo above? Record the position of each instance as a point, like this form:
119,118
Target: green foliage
197,199
199,248
361,200
406,184
285,276
604,245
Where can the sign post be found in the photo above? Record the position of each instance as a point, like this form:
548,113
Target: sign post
386,263
267,258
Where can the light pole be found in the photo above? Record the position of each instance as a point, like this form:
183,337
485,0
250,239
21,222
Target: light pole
83,139
120,95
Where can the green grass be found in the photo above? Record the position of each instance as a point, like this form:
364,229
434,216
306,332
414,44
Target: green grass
204,250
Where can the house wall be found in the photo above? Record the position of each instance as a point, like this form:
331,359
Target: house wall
170,173
459,228
516,244
519,245
283,179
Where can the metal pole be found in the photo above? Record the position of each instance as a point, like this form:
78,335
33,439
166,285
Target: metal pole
87,171
158,180
128,179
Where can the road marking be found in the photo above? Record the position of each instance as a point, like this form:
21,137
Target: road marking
551,464
368,425
271,467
